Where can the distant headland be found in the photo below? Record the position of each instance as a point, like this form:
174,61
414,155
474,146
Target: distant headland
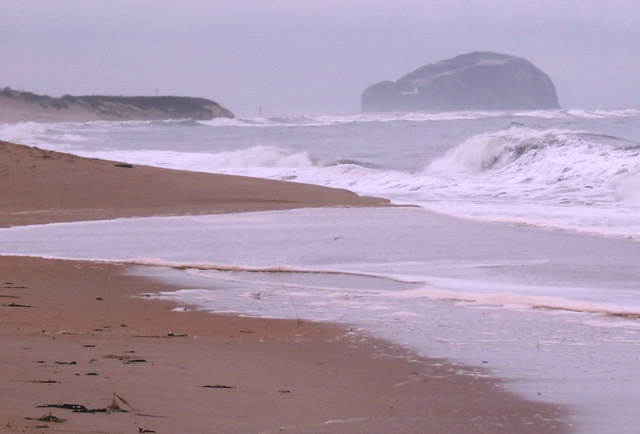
473,81
20,106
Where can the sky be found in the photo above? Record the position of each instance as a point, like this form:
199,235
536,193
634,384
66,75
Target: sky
309,56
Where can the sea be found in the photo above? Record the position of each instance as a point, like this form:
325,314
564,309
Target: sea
518,257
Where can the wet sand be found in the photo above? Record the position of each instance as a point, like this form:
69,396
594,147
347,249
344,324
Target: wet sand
81,333
40,186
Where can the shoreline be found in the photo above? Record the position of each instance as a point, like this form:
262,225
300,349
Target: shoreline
88,336
264,375
49,187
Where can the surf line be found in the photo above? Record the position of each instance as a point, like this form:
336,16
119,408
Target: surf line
208,266
550,304
517,301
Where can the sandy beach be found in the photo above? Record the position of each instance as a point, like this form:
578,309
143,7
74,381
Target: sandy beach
82,333
42,186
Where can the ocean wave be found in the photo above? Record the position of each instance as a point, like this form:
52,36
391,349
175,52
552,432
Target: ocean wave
247,162
579,114
287,269
591,114
582,165
261,156
272,121
28,133
322,120
627,190
510,300
431,288
552,177
37,133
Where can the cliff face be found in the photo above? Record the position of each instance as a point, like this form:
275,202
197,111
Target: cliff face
473,81
17,106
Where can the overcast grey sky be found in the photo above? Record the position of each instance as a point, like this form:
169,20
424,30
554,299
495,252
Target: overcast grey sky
309,56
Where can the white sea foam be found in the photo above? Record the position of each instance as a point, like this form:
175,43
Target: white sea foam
538,306
318,120
431,288
627,189
243,162
545,157
579,114
210,266
359,246
25,132
437,284
259,156
512,300
554,177
603,113
568,179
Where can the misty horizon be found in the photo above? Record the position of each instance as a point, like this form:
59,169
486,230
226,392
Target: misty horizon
291,58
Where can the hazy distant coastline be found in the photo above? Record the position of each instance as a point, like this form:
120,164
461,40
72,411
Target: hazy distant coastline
20,106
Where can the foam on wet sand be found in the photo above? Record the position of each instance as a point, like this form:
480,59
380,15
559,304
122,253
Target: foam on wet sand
77,333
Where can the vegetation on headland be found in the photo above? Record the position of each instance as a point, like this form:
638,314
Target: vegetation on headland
117,107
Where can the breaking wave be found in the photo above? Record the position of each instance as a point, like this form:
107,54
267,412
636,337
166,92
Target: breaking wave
261,156
318,120
554,177
585,166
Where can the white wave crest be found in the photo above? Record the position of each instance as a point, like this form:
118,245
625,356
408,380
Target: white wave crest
594,114
319,120
495,150
43,135
241,162
579,114
261,156
627,190
28,133
581,165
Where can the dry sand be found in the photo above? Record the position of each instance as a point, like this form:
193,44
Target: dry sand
79,333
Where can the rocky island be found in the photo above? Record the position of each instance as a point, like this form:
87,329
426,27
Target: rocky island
473,81
19,106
